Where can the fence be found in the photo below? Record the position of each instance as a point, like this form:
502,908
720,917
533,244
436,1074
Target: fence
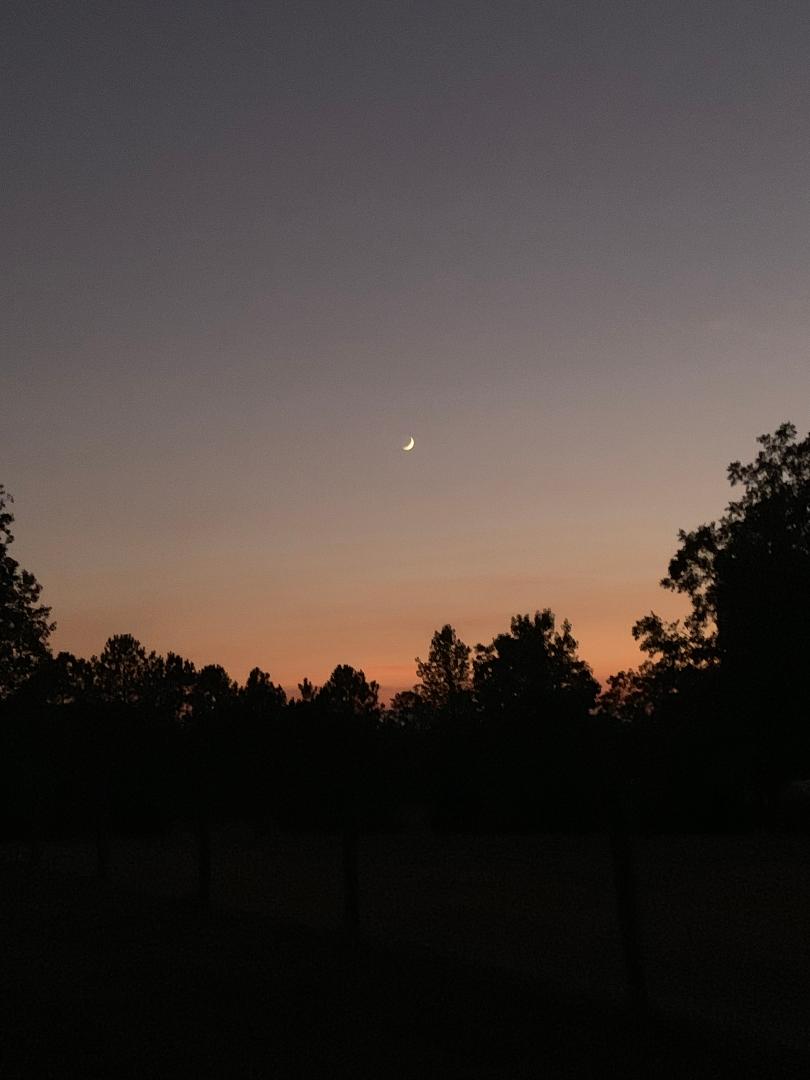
713,925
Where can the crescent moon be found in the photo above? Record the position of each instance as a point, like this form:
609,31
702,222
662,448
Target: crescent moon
410,444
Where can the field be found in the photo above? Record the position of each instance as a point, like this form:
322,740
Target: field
725,921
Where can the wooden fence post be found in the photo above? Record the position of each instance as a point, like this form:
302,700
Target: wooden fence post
624,876
611,780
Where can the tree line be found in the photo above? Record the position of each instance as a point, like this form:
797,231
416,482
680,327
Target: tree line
513,735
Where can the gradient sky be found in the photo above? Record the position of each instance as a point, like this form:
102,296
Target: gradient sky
248,248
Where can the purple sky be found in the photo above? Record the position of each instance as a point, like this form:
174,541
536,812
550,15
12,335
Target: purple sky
249,248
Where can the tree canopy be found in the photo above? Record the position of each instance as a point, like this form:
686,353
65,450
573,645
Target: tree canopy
747,576
533,669
734,667
125,673
445,677
348,696
501,735
753,565
24,622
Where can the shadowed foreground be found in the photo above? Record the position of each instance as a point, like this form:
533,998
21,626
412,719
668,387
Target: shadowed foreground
101,982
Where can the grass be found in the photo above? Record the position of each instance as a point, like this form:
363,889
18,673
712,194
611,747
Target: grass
479,957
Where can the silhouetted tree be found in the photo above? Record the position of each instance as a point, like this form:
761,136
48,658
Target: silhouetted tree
681,663
260,694
350,770
176,689
351,705
57,742
213,691
434,721
445,677
211,733
720,704
131,702
407,733
126,674
24,625
409,711
349,697
536,696
533,669
61,680
262,751
307,691
747,577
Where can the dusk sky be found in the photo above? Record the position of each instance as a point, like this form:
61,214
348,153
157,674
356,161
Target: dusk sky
249,248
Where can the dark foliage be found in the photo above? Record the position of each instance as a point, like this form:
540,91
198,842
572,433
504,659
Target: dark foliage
508,736
720,710
24,625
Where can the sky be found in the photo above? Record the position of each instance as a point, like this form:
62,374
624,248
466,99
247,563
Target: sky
250,248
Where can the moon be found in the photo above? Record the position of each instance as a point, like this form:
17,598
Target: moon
409,445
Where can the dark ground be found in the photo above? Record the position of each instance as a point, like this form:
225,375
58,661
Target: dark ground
99,981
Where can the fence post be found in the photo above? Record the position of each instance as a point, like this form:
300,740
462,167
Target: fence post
611,780
624,875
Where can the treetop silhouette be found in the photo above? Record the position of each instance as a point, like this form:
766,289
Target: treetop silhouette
533,668
24,622
446,676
